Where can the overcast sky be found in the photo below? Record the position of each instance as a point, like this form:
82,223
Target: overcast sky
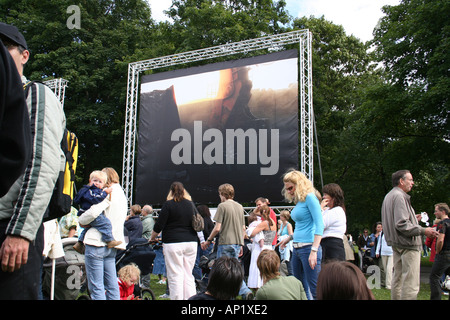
358,17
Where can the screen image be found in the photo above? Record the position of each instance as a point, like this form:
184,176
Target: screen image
230,122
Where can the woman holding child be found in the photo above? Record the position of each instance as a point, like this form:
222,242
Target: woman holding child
99,258
262,231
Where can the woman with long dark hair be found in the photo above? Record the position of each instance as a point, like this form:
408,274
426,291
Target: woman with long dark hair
342,280
335,223
179,241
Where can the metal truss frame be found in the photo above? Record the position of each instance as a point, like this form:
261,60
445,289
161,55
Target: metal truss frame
59,88
272,43
247,210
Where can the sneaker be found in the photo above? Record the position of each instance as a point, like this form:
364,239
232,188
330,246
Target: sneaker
79,247
162,282
164,296
113,243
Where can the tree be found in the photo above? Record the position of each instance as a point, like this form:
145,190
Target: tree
341,65
397,123
371,123
205,23
412,41
411,117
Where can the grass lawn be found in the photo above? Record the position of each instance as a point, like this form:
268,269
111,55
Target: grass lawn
158,289
380,294
424,292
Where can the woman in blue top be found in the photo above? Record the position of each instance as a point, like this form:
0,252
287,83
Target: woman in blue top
308,230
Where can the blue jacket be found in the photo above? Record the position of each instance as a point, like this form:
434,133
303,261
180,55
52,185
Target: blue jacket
89,195
134,227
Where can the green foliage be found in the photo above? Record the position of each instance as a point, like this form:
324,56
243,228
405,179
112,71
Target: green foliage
413,43
205,23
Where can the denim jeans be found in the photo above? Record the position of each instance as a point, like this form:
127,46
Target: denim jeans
101,273
303,272
229,250
103,225
232,251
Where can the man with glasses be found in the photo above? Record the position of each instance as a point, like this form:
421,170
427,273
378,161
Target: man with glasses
404,234
24,205
362,240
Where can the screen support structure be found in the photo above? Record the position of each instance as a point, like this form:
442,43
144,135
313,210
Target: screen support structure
59,88
272,43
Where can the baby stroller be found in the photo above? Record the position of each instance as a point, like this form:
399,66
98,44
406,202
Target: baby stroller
207,261
140,252
64,276
365,260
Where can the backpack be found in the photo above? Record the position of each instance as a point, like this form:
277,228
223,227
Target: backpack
63,192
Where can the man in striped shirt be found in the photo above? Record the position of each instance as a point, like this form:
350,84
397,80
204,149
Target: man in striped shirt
23,207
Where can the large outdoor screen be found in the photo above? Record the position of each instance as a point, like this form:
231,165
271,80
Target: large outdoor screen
230,122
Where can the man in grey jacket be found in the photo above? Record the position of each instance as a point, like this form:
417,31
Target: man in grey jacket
24,205
147,221
404,234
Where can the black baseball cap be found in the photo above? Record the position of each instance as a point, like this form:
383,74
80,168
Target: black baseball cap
12,33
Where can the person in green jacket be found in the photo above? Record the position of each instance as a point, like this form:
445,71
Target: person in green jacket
277,287
147,221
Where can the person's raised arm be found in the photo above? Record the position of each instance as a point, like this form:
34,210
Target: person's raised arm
260,227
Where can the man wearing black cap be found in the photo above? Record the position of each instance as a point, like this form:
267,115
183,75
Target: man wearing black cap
23,207
15,133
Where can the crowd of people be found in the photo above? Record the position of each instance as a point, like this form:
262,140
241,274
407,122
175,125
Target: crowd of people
309,241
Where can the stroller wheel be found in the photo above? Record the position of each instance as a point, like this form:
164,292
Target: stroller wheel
84,297
147,294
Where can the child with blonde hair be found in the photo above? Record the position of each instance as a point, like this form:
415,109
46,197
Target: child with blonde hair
128,277
91,194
